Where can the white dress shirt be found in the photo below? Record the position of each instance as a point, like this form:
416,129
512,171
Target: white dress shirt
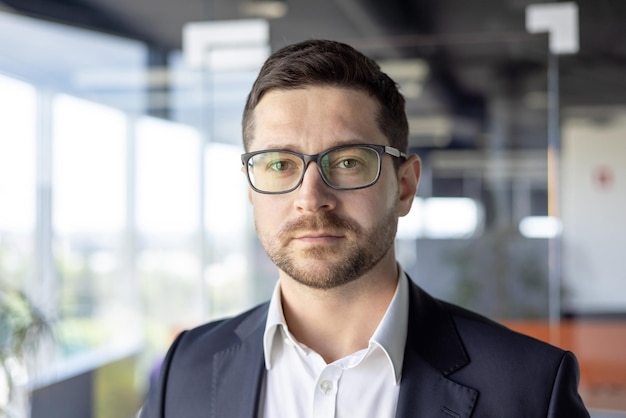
364,384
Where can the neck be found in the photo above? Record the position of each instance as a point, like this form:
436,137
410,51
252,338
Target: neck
340,321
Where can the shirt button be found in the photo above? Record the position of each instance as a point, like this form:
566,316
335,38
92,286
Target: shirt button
326,386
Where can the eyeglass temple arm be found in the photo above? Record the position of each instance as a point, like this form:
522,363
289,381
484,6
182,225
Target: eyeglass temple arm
395,152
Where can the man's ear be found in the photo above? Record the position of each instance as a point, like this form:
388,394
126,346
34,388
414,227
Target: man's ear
408,179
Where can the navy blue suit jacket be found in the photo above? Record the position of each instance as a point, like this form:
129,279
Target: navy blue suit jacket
456,364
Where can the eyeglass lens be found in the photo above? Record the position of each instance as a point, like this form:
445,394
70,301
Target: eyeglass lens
343,168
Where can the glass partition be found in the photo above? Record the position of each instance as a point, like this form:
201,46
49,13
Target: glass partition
481,130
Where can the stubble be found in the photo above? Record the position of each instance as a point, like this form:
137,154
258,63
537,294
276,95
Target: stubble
324,266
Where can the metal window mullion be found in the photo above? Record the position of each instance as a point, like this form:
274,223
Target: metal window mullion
45,287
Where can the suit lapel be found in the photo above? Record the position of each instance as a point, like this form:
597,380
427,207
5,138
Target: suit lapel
239,373
433,351
426,392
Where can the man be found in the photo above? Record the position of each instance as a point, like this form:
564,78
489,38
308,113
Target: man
346,333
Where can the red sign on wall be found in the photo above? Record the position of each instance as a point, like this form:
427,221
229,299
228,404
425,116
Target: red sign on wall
603,177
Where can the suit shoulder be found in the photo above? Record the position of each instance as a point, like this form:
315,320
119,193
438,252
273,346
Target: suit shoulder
510,368
478,330
217,334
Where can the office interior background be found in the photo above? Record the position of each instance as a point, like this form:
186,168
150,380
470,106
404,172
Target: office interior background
124,215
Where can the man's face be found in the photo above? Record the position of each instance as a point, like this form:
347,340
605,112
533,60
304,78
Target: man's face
316,235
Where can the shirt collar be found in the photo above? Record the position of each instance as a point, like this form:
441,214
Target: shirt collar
275,320
390,335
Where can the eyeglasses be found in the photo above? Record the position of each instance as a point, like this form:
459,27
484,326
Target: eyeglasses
346,167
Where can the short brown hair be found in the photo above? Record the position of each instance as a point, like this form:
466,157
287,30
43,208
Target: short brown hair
333,64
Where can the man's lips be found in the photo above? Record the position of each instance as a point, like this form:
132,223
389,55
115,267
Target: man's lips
317,236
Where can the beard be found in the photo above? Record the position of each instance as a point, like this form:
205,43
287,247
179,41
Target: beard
327,267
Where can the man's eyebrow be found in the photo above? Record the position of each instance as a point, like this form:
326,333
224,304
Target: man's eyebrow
273,147
294,147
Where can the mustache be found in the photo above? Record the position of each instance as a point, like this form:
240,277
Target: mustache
324,221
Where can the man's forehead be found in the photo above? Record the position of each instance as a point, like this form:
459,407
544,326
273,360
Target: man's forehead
313,119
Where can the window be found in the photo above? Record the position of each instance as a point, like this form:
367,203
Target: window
18,109
168,263
94,291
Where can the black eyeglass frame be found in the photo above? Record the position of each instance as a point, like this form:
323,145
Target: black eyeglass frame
317,158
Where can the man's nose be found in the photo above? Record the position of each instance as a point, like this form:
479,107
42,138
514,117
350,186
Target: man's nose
314,194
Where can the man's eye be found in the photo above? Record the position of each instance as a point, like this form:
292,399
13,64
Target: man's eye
280,165
348,163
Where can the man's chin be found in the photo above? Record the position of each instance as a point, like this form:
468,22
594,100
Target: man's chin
321,253
320,273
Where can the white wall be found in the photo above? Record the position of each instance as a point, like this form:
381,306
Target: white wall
594,211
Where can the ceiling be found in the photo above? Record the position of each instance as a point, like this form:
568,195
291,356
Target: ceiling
478,52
